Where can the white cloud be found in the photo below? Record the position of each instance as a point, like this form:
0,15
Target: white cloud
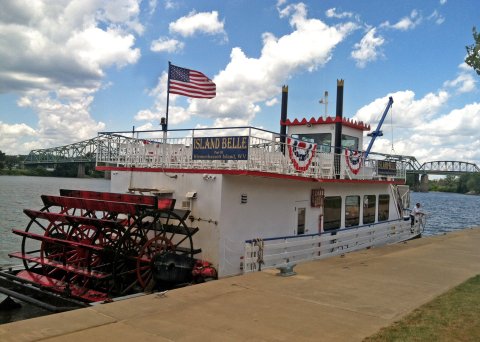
419,128
203,22
177,114
443,2
408,112
367,49
63,119
453,136
152,6
246,82
54,56
332,13
170,4
271,102
437,17
46,45
465,82
146,127
165,44
458,124
230,122
147,115
121,12
9,137
98,48
406,23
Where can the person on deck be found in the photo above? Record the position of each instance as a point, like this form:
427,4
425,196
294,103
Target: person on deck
416,211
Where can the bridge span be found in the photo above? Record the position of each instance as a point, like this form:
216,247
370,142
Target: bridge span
80,153
447,167
85,151
439,167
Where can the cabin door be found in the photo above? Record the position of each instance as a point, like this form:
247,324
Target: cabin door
300,217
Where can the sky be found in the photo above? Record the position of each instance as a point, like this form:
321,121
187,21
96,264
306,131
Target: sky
72,68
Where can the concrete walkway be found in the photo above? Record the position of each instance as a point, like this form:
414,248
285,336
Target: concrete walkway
339,299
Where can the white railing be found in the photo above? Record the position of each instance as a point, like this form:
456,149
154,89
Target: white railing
263,155
286,252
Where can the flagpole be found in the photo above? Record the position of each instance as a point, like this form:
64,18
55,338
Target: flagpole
165,125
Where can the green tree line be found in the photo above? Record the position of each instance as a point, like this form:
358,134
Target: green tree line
467,183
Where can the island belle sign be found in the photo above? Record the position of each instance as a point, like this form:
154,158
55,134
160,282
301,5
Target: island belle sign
220,148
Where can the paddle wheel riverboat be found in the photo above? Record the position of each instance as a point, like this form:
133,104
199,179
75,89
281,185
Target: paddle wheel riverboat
202,203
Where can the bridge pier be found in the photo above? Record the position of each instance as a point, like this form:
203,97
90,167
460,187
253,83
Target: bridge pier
416,182
81,170
424,183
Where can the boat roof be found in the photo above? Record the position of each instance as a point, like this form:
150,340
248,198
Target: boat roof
360,125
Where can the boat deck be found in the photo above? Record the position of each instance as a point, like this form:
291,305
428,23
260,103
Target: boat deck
338,299
261,153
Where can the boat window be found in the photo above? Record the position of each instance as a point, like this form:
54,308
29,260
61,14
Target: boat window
350,142
383,206
352,211
369,204
332,213
300,221
323,140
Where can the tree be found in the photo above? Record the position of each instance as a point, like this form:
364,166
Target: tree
2,160
473,183
473,52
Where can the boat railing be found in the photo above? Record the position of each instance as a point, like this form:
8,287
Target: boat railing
264,152
286,252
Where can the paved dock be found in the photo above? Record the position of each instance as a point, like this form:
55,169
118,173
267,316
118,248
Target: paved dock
338,299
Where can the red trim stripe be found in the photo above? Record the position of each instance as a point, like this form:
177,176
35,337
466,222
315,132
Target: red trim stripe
248,173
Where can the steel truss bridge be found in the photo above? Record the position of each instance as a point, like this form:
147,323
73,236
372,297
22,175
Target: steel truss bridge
444,167
85,152
80,152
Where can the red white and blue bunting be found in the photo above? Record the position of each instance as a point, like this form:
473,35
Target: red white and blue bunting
301,153
354,160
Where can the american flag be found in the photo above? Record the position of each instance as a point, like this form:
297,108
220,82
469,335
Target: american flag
190,83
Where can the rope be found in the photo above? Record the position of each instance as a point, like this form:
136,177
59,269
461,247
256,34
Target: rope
260,244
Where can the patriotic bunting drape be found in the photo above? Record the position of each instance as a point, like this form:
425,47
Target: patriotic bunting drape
301,153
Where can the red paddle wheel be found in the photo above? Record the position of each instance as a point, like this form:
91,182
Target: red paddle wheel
93,246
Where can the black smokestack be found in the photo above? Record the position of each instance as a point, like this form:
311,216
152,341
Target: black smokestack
338,124
283,118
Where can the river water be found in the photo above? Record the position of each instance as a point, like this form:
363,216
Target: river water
23,192
447,212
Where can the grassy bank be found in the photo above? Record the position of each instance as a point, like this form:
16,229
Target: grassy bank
453,316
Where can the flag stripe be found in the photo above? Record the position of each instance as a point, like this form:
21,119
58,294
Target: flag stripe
193,89
193,93
190,83
196,91
208,87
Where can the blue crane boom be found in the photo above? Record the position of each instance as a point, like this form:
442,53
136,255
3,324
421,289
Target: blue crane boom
377,132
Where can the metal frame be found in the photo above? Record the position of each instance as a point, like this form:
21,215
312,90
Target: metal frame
286,252
80,152
111,148
150,150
